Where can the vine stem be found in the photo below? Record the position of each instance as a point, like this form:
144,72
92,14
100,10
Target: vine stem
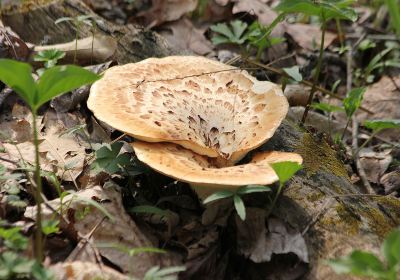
38,245
317,71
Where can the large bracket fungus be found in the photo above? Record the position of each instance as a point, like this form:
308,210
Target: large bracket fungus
213,113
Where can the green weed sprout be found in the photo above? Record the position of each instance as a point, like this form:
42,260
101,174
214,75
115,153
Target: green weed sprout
53,82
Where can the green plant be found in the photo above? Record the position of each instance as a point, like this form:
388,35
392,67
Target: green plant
388,57
324,10
236,195
394,11
49,57
9,184
13,239
53,82
13,266
284,170
239,33
130,251
378,125
109,158
77,22
351,103
361,263
168,273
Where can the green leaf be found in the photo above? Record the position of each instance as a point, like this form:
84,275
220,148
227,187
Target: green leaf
63,19
239,206
130,251
326,107
13,239
155,273
148,209
252,189
109,159
323,8
391,249
218,195
41,273
50,226
294,73
378,125
353,101
359,263
233,34
223,29
285,170
238,28
62,79
18,76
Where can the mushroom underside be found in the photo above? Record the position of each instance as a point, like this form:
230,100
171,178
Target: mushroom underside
202,173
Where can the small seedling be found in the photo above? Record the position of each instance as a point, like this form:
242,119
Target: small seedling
109,159
324,10
351,103
378,125
77,22
236,196
13,239
361,263
284,170
53,82
49,57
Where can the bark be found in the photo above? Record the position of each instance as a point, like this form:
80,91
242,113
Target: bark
34,21
315,202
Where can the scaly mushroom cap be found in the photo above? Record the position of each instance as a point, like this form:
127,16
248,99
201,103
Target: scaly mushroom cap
185,165
208,107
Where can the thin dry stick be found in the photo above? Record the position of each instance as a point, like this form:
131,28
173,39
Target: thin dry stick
354,128
304,82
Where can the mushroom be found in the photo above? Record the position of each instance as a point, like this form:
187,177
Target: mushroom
202,173
208,107
194,118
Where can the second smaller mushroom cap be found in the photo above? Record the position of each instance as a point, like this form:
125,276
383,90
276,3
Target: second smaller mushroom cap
200,172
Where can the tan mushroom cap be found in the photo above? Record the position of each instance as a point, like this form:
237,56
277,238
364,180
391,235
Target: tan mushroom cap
186,166
176,99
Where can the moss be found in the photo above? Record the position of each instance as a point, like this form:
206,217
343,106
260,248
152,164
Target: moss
378,223
318,155
351,223
314,196
392,204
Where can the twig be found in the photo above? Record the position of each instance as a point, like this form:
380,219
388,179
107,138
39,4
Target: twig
354,127
9,161
304,82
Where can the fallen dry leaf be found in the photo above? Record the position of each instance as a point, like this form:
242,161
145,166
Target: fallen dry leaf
308,36
122,230
279,239
167,10
261,10
375,163
183,35
82,270
383,98
391,181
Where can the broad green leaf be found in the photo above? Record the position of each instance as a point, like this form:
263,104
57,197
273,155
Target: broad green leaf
294,73
110,160
41,273
391,248
359,263
322,8
239,206
50,226
252,189
377,125
326,107
353,101
47,55
148,209
285,170
13,239
222,28
217,196
238,28
18,76
62,79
